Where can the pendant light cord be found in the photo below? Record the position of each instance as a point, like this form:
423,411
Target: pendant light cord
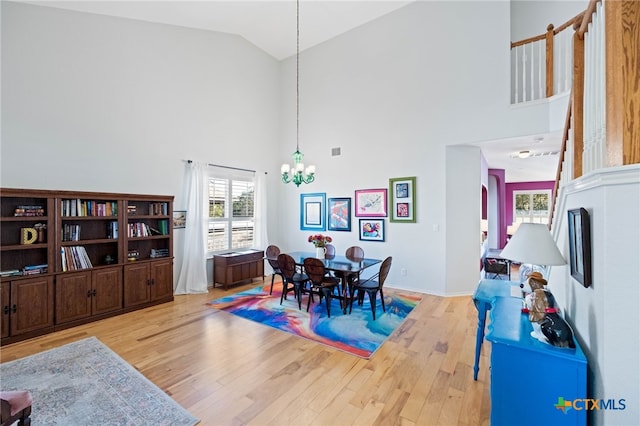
298,75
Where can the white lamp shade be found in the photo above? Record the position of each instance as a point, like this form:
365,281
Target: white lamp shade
532,243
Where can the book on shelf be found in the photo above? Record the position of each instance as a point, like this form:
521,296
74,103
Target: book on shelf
132,209
70,232
35,269
112,230
139,229
163,226
74,258
10,273
32,267
29,210
162,252
80,208
159,209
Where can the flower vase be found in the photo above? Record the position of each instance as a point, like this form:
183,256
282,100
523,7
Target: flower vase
320,251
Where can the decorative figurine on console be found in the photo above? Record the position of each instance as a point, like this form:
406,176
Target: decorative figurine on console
534,281
537,303
556,329
548,326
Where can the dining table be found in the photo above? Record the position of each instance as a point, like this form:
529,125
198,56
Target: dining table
342,266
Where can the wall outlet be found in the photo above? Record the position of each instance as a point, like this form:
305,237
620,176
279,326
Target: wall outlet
403,272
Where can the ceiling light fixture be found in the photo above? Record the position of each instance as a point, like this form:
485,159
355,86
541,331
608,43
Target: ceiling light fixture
297,173
524,154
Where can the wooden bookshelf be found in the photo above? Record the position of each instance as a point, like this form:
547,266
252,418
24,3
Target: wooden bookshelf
65,257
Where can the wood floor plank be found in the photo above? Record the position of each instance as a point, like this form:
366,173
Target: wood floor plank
419,393
230,371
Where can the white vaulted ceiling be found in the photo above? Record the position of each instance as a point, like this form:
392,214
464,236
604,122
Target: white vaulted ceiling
270,25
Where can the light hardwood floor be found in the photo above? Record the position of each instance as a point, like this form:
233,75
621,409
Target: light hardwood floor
230,371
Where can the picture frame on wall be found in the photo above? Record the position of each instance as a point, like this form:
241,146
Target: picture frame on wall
312,211
179,219
371,229
371,202
580,246
339,214
402,206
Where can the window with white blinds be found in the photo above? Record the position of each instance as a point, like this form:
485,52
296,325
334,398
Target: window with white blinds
231,213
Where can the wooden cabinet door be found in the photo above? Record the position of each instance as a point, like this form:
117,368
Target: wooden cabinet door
33,299
5,305
136,284
73,296
161,279
107,290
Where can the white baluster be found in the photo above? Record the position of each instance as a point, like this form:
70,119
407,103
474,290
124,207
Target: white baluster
542,70
532,67
524,74
515,74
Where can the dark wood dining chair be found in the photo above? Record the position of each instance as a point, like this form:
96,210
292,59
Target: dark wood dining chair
330,251
272,253
321,284
372,286
354,253
293,280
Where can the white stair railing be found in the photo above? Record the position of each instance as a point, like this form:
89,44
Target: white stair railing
594,128
530,61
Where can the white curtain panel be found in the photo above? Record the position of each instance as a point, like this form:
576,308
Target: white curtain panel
193,271
261,237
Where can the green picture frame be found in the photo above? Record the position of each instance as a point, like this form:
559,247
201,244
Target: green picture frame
402,199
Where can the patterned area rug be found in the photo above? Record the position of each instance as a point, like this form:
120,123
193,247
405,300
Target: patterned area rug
86,383
357,333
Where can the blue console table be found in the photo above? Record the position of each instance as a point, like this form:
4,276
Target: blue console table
484,298
529,378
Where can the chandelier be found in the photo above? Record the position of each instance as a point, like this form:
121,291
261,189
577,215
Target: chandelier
296,173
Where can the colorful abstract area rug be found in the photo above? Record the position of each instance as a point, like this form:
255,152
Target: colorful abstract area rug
86,383
356,333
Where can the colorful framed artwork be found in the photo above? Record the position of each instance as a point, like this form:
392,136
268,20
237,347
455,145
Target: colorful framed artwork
179,219
371,229
403,199
580,246
339,214
312,211
371,202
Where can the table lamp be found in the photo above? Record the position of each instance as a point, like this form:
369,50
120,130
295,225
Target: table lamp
532,244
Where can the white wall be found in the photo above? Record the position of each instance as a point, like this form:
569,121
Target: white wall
605,316
107,104
530,18
463,202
